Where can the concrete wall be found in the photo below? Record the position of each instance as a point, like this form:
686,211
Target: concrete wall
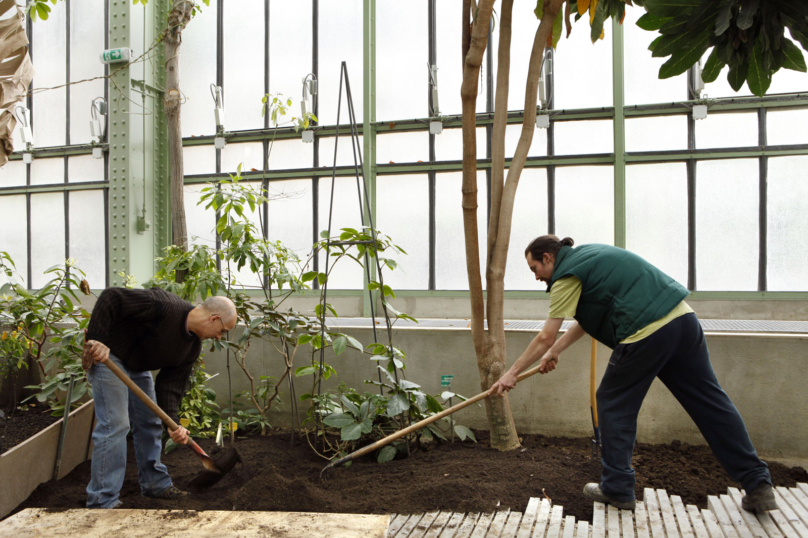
764,376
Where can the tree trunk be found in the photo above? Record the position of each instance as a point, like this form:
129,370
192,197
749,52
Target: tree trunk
177,19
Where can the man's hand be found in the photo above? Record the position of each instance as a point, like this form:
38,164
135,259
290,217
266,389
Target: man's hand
93,353
548,362
179,436
505,383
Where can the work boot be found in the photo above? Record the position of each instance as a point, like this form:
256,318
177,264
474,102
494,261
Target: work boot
592,491
760,499
171,494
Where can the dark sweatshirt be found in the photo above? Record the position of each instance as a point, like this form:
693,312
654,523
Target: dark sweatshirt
146,330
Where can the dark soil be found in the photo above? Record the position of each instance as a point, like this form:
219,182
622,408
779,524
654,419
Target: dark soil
462,477
24,424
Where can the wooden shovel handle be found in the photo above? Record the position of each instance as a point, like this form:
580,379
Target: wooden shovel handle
593,364
140,394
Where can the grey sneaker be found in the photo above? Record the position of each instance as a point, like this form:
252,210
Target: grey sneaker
592,491
171,494
760,499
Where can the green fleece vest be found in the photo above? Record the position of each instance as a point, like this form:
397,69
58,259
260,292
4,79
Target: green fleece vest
620,292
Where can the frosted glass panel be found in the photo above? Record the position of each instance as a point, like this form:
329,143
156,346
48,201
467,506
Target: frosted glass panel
86,39
48,171
538,147
787,224
14,234
249,154
529,222
450,246
13,174
727,225
656,216
401,73
585,204
785,127
642,71
345,151
48,115
523,31
87,235
47,235
659,133
243,65
346,274
200,160
581,66
403,147
340,40
786,80
84,168
290,211
198,68
727,131
580,137
290,154
449,14
402,204
449,145
289,64
200,221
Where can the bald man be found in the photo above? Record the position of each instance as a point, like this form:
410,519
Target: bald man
143,330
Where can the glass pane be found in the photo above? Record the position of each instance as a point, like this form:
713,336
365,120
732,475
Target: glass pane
403,148
84,168
538,147
727,225
656,216
585,204
450,246
199,160
87,242
346,274
787,81
198,69
48,171
449,16
580,66
727,131
200,222
787,225
449,145
290,154
402,79
249,154
290,215
529,222
642,81
86,39
785,127
659,133
13,174
14,234
243,65
402,204
340,40
598,137
345,151
523,31
47,235
48,114
289,64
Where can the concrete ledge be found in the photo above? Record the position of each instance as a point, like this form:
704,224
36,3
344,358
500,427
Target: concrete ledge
31,462
35,522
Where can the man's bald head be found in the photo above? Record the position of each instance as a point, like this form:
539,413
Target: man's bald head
220,306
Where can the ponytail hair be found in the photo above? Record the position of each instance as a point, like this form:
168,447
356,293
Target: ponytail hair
549,244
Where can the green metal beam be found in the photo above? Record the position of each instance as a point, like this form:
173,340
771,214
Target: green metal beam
741,153
369,118
54,187
619,126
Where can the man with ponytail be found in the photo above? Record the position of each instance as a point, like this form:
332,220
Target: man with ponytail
639,312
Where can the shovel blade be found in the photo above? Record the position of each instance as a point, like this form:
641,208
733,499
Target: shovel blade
215,470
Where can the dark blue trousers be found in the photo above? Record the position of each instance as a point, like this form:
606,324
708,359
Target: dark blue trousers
677,354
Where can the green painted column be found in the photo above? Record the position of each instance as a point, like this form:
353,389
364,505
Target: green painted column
369,118
618,90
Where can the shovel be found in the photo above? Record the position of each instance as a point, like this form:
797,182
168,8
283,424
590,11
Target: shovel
213,470
593,404
418,425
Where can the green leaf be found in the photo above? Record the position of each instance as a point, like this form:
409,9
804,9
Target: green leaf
597,23
386,454
674,26
339,420
651,22
388,291
464,433
304,339
758,77
746,14
433,405
737,75
669,7
305,370
397,404
683,60
557,27
792,56
724,18
713,67
340,344
354,343
352,432
799,35
350,405
539,11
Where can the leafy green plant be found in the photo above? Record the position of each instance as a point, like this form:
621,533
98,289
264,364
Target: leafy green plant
14,348
199,406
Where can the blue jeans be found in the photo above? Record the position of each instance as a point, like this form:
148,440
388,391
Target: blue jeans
677,354
115,408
